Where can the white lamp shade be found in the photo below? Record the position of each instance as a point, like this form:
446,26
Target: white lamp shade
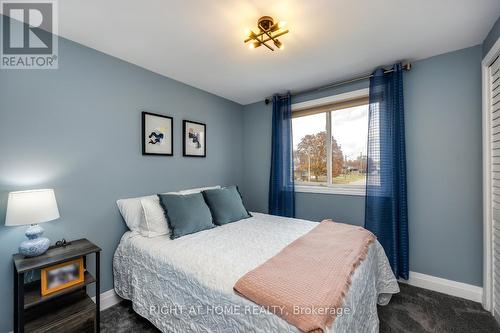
31,207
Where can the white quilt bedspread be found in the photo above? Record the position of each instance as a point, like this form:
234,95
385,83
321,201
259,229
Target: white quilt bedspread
186,285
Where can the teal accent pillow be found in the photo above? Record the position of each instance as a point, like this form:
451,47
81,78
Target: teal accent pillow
186,214
226,205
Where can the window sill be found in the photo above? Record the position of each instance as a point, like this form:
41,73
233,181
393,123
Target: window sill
361,191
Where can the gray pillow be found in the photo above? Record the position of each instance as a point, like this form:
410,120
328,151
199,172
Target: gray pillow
186,214
226,205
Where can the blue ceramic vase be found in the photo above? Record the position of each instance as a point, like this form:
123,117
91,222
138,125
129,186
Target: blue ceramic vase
35,245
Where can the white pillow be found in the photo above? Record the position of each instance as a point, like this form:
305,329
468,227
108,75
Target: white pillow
154,221
131,210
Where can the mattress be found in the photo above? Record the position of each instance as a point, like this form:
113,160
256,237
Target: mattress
186,284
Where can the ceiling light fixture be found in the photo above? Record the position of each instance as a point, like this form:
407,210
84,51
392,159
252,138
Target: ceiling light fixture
268,31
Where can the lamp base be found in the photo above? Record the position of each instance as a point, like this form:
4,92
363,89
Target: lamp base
35,245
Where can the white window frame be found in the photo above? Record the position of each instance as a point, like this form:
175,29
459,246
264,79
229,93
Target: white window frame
354,190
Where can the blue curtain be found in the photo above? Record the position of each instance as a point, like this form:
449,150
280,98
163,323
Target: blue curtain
281,186
386,213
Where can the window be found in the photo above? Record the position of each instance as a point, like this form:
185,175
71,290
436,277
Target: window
330,144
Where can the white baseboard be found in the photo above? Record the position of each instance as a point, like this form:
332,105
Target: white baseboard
108,299
449,287
496,315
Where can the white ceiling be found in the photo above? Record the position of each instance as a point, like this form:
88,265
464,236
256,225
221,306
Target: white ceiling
201,42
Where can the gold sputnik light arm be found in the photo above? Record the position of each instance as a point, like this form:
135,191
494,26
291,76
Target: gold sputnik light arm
264,43
258,42
268,39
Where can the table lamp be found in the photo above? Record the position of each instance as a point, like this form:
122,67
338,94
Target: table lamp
32,207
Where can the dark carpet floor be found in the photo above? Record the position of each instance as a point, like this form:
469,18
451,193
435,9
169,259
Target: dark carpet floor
412,310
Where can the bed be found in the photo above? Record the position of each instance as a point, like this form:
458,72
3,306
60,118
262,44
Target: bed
186,284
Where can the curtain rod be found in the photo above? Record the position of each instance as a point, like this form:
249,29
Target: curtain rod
405,67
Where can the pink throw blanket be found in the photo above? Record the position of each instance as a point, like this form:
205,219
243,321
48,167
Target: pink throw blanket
306,282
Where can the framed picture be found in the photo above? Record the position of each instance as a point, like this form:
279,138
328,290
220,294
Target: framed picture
157,134
61,276
194,139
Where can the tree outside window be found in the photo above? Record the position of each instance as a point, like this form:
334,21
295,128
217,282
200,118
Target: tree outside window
348,139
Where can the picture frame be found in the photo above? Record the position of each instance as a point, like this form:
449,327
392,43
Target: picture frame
61,276
157,134
194,139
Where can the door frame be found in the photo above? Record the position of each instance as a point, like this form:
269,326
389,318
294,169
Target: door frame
487,225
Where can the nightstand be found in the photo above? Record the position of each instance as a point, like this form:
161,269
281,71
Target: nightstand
67,310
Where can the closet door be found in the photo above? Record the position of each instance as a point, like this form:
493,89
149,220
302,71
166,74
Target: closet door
494,100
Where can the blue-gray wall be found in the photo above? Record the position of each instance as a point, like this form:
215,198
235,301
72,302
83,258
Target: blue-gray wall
78,130
443,135
492,37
